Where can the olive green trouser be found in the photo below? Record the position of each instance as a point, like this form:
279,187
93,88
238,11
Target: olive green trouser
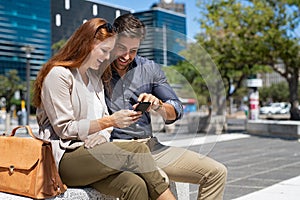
121,169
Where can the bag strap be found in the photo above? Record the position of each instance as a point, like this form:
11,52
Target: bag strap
29,130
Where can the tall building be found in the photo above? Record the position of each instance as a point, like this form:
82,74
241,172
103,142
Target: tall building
40,24
67,15
171,5
24,23
166,33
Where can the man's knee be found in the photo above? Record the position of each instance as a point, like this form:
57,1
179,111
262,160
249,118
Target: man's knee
221,171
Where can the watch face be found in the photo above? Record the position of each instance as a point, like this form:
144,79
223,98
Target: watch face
168,1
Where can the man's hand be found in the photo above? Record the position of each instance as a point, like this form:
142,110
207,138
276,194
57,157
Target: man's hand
155,102
166,110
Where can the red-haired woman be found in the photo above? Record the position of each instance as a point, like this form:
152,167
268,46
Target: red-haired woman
72,114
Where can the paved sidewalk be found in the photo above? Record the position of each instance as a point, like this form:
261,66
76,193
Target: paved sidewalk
285,190
259,168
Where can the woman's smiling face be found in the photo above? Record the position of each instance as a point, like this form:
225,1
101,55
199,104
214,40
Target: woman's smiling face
101,52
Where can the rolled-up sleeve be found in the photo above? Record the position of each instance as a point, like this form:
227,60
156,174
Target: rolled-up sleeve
178,109
57,102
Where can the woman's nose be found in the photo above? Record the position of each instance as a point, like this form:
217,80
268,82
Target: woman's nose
107,56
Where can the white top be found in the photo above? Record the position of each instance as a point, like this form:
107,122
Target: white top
96,107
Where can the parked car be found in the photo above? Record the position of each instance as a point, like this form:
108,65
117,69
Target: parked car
286,109
274,108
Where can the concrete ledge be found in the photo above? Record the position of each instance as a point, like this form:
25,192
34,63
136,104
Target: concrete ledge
70,194
286,129
211,124
181,191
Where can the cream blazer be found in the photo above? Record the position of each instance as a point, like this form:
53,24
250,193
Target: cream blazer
62,116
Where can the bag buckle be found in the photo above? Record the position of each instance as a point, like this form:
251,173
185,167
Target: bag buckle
11,169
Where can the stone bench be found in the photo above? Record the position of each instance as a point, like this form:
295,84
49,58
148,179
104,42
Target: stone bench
181,191
286,129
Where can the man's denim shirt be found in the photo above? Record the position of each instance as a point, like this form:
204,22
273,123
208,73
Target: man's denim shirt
143,76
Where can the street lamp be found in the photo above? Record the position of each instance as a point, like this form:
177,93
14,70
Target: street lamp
28,49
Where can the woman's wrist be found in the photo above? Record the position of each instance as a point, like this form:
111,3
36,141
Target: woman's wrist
105,122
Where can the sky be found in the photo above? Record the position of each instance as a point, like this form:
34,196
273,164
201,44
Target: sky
191,10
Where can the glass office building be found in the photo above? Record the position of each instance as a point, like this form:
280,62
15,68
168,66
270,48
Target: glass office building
24,23
166,35
39,24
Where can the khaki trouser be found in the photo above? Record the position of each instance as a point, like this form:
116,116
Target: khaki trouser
121,169
183,165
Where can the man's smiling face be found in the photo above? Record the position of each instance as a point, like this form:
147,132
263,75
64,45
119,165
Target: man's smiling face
125,51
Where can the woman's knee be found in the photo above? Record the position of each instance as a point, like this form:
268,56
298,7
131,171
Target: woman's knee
141,147
135,188
125,185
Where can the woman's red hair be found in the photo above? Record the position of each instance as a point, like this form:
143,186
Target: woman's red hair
74,52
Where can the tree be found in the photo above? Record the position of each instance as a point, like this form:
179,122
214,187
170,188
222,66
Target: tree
202,73
180,84
9,85
58,45
243,37
276,93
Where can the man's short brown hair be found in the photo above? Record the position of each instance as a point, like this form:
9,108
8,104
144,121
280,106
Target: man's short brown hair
130,26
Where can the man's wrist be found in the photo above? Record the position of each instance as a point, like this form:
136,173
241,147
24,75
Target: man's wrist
160,105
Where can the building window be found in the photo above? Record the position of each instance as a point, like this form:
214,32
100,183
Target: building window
67,4
118,13
95,10
58,20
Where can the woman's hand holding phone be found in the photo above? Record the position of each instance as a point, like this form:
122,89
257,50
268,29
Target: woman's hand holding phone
124,118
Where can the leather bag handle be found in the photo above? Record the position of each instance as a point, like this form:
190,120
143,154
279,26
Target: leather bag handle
29,130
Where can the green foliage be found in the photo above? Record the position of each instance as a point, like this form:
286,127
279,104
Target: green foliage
276,93
58,45
178,77
245,38
9,84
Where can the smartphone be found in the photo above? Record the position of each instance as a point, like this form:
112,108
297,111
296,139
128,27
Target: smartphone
142,106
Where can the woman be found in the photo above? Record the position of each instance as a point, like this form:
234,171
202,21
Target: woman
72,114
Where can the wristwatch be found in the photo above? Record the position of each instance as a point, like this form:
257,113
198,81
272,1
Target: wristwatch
160,104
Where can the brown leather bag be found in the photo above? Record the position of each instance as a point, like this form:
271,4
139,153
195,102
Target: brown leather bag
27,167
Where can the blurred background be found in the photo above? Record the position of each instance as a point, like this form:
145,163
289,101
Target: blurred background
253,47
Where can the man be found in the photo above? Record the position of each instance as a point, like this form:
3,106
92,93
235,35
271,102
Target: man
137,79
295,112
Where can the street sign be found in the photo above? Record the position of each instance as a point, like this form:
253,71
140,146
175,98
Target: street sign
255,82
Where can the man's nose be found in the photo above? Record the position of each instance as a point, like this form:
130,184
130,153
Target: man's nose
126,55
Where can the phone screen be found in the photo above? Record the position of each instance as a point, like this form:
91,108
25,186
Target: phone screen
142,106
